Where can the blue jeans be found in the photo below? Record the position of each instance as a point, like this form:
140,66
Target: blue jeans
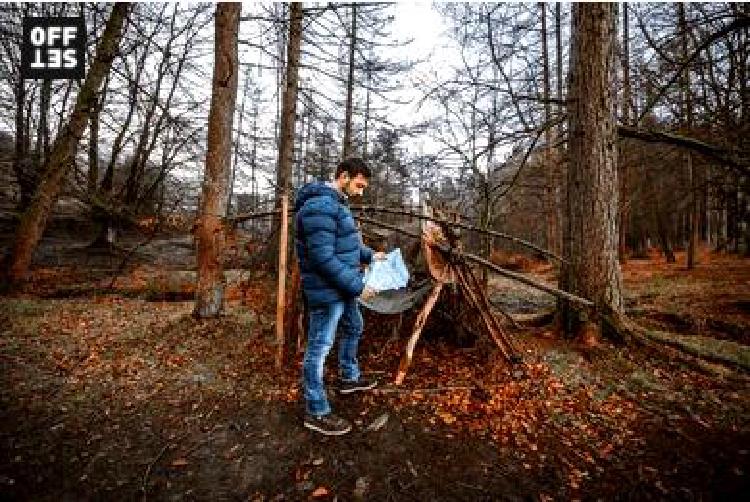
320,336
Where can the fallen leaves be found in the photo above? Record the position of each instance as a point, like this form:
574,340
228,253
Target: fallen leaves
320,491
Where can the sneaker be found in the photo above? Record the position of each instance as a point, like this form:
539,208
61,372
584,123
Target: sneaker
330,424
360,385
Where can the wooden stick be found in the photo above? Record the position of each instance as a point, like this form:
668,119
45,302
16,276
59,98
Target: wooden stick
495,268
479,291
432,390
456,224
470,294
418,325
281,295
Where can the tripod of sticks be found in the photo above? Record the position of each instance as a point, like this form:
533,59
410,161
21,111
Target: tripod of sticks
446,267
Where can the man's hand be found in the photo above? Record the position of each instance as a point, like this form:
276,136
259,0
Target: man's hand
380,256
367,293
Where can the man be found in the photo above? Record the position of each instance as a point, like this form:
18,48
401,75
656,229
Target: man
330,253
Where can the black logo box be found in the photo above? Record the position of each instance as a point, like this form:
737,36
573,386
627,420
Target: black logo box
31,53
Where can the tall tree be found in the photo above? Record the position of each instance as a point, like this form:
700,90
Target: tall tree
687,115
209,232
590,244
347,148
549,165
625,104
289,100
63,152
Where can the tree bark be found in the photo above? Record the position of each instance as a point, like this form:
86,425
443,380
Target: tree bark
687,102
625,104
41,151
289,103
285,157
63,152
21,165
590,245
347,147
93,151
549,165
209,231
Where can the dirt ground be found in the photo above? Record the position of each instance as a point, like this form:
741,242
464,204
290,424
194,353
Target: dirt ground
121,395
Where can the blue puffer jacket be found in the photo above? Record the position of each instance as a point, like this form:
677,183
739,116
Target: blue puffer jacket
329,246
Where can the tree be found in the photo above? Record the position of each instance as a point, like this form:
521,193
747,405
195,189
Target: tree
62,154
347,146
289,104
590,236
209,232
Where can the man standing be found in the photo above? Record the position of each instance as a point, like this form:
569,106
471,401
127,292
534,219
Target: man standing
330,253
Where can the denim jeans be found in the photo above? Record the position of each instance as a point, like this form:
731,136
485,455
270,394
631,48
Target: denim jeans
324,321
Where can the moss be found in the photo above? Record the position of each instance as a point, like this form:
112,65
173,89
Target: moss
712,349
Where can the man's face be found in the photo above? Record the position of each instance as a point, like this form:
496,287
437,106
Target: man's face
355,185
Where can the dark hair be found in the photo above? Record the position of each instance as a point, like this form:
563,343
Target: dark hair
353,166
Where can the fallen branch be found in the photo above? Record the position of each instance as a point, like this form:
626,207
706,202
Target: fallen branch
674,347
464,226
432,390
495,268
720,354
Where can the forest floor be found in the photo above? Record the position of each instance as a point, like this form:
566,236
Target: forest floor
121,395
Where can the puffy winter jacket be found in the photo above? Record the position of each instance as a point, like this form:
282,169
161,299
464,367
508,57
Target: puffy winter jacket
329,246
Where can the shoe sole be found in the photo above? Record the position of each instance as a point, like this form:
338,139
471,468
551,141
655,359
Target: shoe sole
350,390
327,432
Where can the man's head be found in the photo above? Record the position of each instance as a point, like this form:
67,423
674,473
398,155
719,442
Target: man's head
352,176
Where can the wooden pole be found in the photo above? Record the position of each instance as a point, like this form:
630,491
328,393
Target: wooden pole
418,325
281,294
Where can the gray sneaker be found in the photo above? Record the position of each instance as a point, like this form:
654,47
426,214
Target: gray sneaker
330,424
362,384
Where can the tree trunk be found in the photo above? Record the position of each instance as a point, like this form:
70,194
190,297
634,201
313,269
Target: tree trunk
560,156
21,165
285,157
63,152
93,171
590,245
549,166
625,104
41,151
289,102
347,147
209,231
238,140
687,101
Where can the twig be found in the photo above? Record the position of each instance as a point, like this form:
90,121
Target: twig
427,390
474,487
144,481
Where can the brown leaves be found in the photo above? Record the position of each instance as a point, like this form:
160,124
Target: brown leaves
320,491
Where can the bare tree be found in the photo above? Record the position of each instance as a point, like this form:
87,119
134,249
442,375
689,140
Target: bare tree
590,243
64,149
209,231
289,104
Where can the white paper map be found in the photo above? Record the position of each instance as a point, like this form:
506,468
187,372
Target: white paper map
391,273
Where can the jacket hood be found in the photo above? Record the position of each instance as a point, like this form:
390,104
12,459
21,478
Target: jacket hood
316,189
